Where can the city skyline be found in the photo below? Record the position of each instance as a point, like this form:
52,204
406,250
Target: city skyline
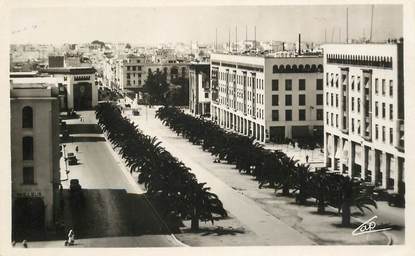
152,25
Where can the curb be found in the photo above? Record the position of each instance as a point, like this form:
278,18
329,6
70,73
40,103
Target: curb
130,179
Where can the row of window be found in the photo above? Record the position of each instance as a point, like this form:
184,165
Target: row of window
275,99
333,120
383,134
330,101
355,83
238,79
301,84
301,100
259,96
384,87
384,110
134,82
301,115
133,75
240,106
133,68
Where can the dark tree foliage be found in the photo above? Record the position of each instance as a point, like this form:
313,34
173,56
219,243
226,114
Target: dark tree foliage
272,169
156,87
164,177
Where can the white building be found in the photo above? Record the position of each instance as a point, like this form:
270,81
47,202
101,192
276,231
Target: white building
364,112
131,72
79,89
34,152
266,97
199,88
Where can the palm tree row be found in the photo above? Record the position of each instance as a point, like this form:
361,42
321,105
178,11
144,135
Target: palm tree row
165,178
273,169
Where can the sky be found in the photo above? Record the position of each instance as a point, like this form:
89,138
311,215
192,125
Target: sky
152,25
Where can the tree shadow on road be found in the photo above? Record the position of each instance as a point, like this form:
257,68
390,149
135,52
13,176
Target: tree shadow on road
84,128
110,213
217,231
77,139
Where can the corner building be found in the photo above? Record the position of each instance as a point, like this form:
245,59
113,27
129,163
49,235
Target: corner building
34,120
364,112
199,89
269,98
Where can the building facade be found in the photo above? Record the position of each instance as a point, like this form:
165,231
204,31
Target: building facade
131,72
199,89
364,112
34,152
78,89
270,98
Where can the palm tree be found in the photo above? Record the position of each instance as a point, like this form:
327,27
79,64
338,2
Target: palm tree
164,177
320,188
354,193
286,174
202,205
302,182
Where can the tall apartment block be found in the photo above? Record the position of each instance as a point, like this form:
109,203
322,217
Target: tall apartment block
364,112
269,98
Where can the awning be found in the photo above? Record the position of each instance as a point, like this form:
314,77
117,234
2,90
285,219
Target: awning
329,141
338,149
358,154
371,160
345,152
392,167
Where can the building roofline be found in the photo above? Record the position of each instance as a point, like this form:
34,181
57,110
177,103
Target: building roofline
69,70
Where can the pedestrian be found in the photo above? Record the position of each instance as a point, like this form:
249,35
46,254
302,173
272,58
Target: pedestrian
71,237
24,243
76,149
306,158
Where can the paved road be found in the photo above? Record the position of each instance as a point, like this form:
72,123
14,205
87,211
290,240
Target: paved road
115,213
271,230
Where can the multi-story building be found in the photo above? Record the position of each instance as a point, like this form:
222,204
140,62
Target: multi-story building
199,88
364,112
131,72
34,152
172,70
270,98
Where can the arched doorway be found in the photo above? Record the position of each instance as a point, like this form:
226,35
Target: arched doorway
82,96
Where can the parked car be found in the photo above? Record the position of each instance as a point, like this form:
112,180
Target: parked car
396,199
72,160
380,194
136,112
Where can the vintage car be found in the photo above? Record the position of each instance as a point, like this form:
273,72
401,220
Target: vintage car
72,160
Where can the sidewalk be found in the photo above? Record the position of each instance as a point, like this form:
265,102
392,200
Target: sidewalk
225,181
